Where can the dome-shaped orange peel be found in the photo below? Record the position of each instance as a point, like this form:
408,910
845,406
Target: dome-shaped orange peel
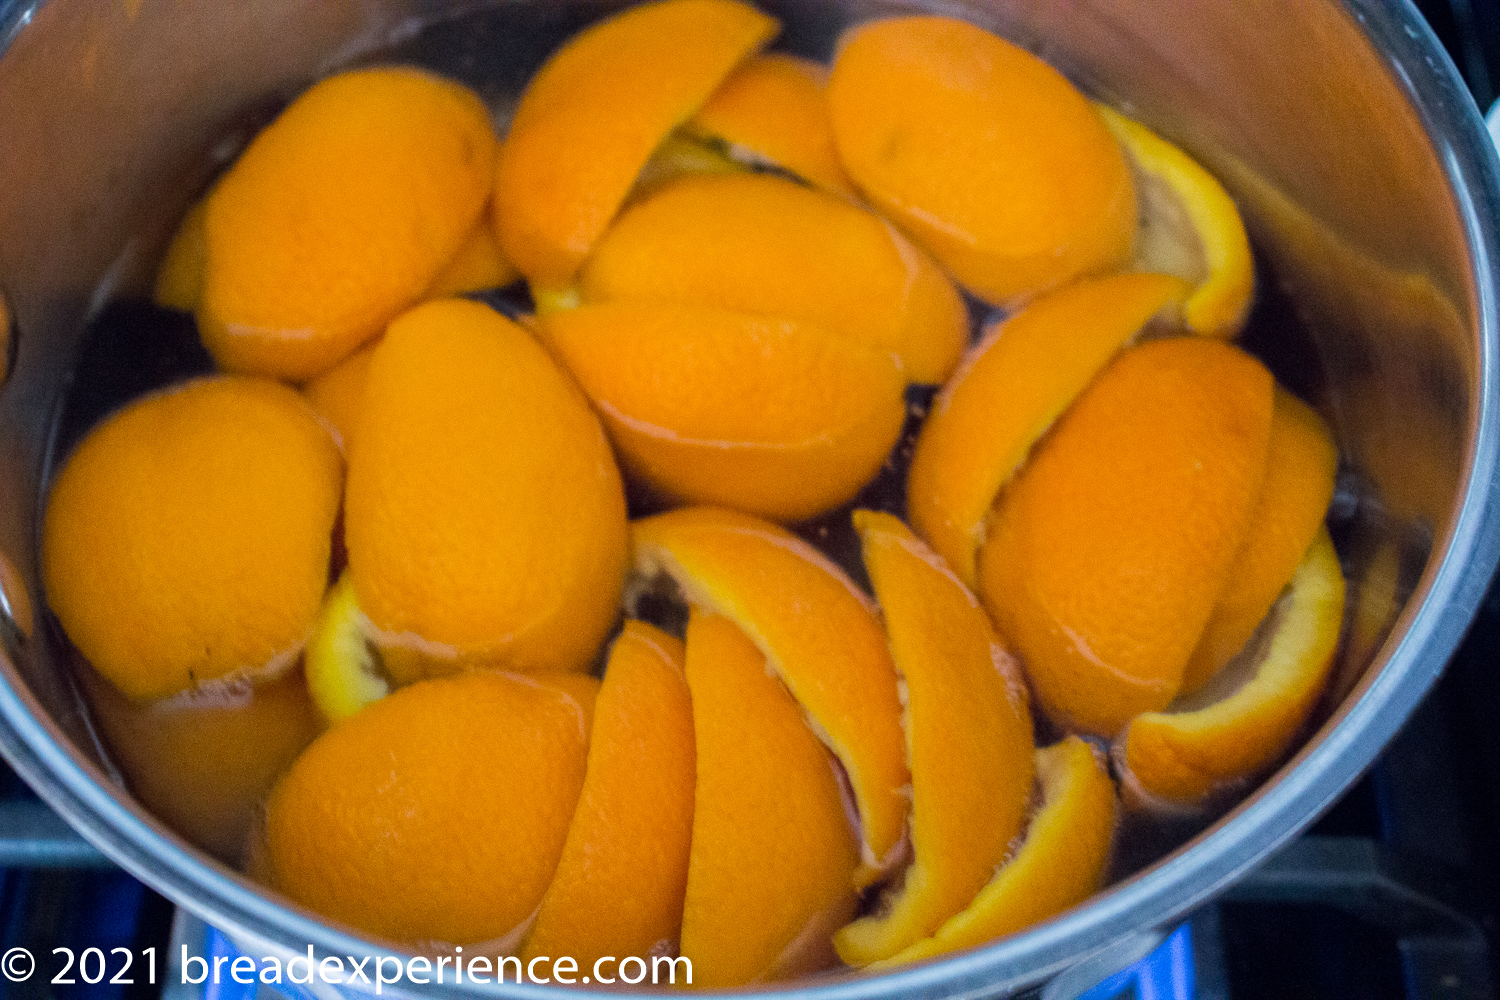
1107,553
766,245
1246,719
773,110
985,154
1059,864
774,417
1009,390
773,852
618,888
819,633
592,115
1189,227
968,739
1293,501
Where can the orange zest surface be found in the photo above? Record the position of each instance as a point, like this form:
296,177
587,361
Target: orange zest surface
1237,726
591,117
766,245
1189,220
338,394
391,819
1298,487
478,265
1059,865
819,633
1009,391
484,515
773,110
985,154
773,417
968,739
620,883
188,536
1171,440
338,216
772,848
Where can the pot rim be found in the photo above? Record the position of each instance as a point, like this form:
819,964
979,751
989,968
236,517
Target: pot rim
1429,630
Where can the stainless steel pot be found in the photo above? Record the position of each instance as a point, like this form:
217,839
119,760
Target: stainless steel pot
1361,165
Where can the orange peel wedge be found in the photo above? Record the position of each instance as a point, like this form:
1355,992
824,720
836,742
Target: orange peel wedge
1189,227
772,417
1294,498
1059,864
1244,720
338,395
766,245
594,113
619,886
968,739
773,110
1009,390
985,154
1105,609
772,847
819,633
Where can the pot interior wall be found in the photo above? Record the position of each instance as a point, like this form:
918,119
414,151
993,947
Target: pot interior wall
113,117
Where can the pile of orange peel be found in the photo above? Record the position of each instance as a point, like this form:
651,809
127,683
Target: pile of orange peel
1114,518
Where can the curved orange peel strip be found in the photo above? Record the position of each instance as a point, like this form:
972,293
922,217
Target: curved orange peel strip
767,245
773,417
1293,500
591,117
1175,190
968,739
773,107
619,886
819,633
1205,742
772,847
1059,865
1007,393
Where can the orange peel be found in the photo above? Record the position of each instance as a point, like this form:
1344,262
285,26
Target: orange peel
338,216
1008,392
1171,440
1059,864
621,880
592,115
773,417
985,154
772,847
459,555
1294,498
338,394
1189,227
968,740
818,632
389,819
478,265
1247,718
773,110
766,245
